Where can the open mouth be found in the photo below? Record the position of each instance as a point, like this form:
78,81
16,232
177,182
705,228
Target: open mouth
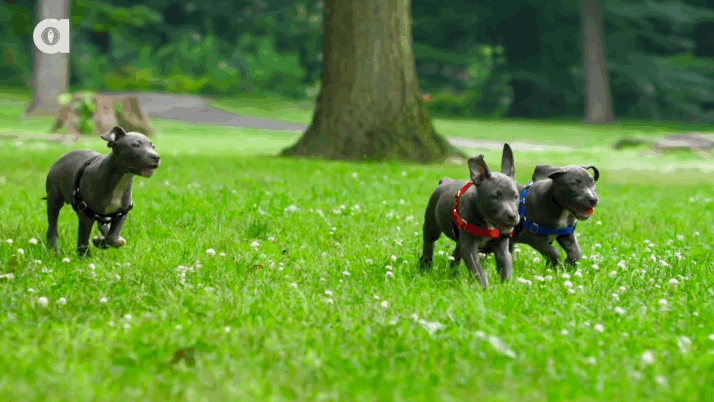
581,212
148,171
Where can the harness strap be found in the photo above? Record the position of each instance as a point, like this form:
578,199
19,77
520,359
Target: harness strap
533,227
467,227
80,206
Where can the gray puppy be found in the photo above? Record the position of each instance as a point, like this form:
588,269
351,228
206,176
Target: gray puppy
550,207
474,213
98,187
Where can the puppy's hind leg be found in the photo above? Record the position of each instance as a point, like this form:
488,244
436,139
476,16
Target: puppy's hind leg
54,206
432,232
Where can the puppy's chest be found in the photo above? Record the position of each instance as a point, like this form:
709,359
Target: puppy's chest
564,220
114,202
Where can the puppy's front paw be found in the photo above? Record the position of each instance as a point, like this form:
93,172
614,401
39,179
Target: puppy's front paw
116,243
100,242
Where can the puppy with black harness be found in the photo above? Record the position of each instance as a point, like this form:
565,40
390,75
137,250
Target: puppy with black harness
98,187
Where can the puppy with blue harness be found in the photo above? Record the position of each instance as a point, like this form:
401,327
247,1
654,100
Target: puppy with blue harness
550,207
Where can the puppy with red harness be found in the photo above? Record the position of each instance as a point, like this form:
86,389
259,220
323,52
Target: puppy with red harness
475,213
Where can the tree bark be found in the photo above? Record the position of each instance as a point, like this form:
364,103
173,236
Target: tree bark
369,106
50,76
598,102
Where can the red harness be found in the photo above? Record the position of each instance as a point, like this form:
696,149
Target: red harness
467,227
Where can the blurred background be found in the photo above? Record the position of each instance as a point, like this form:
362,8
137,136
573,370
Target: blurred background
485,59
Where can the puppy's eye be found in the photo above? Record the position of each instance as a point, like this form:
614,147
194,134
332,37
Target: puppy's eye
494,196
515,197
136,145
578,182
152,144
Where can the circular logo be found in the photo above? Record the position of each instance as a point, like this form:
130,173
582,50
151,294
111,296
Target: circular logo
50,36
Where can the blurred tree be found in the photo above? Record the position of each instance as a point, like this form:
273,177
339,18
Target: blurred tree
598,101
369,105
50,76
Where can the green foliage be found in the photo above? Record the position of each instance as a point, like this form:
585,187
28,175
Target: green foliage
83,107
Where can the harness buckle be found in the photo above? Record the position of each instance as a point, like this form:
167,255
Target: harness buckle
82,206
534,228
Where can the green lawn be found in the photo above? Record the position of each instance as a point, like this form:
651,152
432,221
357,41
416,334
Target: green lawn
322,319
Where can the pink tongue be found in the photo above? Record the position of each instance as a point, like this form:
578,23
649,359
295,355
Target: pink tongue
590,211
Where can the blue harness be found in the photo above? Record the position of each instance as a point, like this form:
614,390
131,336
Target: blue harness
534,227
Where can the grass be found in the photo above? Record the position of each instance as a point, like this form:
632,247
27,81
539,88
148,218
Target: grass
321,320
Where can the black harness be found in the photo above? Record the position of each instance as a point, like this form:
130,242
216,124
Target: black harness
80,206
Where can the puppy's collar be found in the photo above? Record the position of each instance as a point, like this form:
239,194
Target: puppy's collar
534,227
467,227
80,206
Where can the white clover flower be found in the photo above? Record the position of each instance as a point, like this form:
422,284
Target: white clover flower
564,332
328,293
42,301
565,276
662,302
329,301
595,267
389,274
61,301
255,244
33,241
385,304
65,260
568,284
599,328
647,357
293,285
394,258
103,300
619,310
524,281
210,252
613,274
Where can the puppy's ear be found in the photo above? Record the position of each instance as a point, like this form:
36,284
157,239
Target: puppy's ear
113,135
544,171
478,169
507,166
596,173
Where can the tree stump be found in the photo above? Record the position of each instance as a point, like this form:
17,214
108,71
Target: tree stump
130,117
133,118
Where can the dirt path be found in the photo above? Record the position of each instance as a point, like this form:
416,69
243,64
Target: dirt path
197,110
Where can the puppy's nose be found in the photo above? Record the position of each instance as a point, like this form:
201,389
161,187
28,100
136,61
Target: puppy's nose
155,158
593,200
513,218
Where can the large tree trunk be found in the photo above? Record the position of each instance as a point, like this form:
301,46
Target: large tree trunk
598,102
369,106
50,77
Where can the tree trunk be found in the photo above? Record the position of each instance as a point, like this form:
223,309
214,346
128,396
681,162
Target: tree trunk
598,102
369,106
50,76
